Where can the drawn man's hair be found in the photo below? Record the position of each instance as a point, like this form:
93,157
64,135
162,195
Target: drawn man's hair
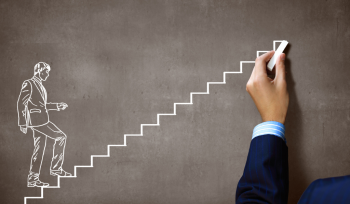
40,66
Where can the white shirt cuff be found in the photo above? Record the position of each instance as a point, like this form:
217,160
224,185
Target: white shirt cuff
269,128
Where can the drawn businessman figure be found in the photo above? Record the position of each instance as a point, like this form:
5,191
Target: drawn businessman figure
33,112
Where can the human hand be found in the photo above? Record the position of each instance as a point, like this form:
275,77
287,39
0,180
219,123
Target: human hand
269,95
62,106
23,129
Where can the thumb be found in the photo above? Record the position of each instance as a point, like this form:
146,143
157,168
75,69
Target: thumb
280,68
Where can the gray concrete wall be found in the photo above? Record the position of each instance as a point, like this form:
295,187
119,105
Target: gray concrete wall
119,63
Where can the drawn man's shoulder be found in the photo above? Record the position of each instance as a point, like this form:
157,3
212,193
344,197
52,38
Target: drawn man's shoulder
26,83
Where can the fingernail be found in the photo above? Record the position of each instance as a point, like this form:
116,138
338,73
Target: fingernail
283,56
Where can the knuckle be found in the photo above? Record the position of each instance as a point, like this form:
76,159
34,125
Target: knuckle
257,82
284,83
249,85
281,64
247,88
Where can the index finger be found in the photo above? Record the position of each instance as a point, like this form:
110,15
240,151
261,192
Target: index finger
260,63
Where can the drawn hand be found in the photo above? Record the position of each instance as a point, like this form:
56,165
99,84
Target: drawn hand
23,129
270,95
62,106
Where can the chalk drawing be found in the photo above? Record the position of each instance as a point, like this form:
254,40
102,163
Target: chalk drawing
33,112
143,125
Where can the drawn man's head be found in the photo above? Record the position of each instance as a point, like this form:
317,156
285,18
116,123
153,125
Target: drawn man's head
42,70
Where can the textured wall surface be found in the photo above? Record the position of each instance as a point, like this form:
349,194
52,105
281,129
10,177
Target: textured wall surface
119,63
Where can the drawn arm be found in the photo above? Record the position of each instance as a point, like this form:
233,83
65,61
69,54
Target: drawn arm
56,106
52,106
22,105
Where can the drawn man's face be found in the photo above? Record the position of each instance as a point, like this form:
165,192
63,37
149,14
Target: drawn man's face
44,74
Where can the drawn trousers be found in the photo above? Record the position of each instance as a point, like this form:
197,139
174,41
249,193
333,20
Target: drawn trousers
40,135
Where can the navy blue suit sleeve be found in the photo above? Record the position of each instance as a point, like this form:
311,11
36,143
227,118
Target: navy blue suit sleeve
265,177
329,190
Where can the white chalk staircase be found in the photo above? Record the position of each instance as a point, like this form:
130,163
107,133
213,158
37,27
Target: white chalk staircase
143,125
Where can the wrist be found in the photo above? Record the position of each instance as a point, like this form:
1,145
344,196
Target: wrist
276,119
277,115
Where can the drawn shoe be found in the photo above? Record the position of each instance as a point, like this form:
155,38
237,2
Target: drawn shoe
60,172
33,181
37,183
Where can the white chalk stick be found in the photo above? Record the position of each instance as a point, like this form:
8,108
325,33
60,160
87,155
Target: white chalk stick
279,51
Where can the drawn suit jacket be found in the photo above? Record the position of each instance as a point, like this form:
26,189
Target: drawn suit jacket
32,104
